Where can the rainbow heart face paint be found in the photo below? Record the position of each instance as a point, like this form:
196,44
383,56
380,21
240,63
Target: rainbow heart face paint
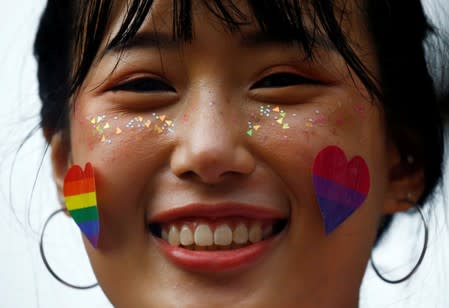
81,200
341,186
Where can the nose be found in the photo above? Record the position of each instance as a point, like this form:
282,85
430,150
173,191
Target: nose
211,146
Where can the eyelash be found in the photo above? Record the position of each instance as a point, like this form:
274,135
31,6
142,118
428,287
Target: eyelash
278,80
282,80
144,85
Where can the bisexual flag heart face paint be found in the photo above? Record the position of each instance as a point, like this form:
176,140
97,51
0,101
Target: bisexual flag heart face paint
341,186
81,200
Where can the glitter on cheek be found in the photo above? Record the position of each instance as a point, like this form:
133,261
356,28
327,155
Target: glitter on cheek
277,116
105,127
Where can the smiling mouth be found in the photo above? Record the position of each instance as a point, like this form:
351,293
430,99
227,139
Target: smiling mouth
216,233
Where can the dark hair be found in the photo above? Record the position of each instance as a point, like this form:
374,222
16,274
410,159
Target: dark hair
70,34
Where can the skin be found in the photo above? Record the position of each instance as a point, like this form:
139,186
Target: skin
209,158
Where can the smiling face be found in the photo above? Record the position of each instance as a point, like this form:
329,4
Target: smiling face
203,155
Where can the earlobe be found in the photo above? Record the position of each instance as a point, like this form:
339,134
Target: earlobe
405,183
60,160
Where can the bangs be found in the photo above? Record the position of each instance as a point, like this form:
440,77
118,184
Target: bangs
299,22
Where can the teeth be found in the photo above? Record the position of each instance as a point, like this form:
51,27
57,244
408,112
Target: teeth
267,231
164,235
240,235
255,233
223,235
203,235
173,236
222,238
186,236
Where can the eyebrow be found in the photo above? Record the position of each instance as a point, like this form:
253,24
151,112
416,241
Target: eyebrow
163,40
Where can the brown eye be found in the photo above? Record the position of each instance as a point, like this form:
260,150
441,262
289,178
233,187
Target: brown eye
281,80
144,85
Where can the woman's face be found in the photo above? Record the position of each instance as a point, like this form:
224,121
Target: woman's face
212,142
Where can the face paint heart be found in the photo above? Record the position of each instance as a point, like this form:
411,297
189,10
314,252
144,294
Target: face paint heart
341,186
81,200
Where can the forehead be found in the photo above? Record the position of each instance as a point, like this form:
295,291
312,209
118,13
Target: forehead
282,20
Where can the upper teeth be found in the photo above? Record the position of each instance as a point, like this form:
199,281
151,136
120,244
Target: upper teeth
223,235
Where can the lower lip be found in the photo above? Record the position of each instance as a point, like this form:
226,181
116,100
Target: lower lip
216,261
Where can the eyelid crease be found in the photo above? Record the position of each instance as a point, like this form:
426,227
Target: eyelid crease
142,78
302,77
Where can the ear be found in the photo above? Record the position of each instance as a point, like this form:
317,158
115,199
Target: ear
405,184
60,160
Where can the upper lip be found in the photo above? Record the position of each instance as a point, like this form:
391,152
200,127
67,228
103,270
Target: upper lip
218,210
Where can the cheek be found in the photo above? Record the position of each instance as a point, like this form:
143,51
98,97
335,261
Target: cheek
298,132
108,137
119,145
289,138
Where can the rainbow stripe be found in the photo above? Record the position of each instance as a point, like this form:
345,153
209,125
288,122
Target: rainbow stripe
81,200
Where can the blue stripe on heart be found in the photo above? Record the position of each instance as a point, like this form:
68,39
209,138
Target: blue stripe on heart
333,213
89,227
336,202
90,230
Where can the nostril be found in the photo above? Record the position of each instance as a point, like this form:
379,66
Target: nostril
207,175
211,162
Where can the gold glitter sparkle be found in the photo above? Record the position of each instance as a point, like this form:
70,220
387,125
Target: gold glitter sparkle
105,127
267,111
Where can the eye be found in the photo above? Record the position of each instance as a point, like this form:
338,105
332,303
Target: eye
281,80
144,85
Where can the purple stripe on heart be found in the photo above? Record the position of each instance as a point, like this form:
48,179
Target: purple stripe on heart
338,193
90,229
333,213
336,202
